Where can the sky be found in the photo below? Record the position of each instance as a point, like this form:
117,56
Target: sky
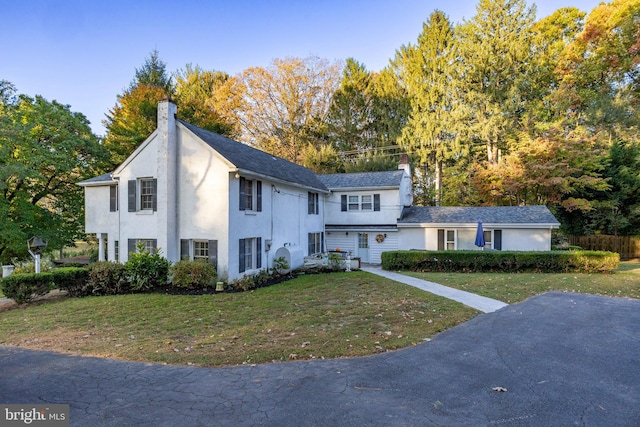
85,52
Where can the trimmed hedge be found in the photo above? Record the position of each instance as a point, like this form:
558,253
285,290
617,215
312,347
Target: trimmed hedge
23,287
196,274
502,261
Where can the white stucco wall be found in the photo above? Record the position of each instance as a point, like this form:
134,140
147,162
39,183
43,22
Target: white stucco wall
526,239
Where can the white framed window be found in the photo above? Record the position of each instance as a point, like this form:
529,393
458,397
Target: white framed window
116,248
315,243
149,245
250,195
450,240
314,203
250,254
147,194
366,203
360,202
201,249
488,239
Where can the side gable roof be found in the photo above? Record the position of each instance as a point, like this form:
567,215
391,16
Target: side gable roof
103,179
470,215
250,159
361,180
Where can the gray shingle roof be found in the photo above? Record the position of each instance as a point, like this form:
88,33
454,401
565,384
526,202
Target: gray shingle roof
253,160
96,179
362,179
488,215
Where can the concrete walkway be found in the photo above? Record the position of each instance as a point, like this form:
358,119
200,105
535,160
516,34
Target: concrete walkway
484,304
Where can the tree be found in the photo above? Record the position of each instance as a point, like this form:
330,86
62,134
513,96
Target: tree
429,77
194,90
350,114
494,53
135,115
45,149
281,109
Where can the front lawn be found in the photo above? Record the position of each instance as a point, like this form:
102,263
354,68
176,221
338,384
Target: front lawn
313,316
516,287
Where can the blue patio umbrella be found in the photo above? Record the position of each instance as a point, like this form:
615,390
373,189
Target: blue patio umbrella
480,235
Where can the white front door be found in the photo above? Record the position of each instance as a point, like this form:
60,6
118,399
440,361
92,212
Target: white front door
363,247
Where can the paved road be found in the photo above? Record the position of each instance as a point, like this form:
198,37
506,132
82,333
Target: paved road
565,359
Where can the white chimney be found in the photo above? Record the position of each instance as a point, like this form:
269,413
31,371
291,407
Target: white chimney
167,180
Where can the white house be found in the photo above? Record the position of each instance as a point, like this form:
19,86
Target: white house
363,209
507,228
195,194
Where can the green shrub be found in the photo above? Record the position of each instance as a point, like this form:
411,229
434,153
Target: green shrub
243,284
24,287
146,270
192,274
501,261
70,278
105,278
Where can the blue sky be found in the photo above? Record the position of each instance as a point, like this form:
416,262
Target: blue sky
85,52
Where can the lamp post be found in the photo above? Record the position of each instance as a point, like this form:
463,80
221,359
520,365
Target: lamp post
36,246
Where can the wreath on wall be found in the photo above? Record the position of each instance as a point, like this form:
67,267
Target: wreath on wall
380,238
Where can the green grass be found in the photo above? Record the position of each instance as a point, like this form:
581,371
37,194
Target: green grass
512,288
313,316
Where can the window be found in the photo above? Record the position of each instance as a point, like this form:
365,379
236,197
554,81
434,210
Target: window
354,203
314,208
451,240
487,239
250,254
365,202
143,194
316,242
250,195
199,249
116,248
147,194
113,198
149,245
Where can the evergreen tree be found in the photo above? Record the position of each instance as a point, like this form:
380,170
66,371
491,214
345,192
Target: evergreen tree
429,77
495,55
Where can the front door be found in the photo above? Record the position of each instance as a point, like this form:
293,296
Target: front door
363,247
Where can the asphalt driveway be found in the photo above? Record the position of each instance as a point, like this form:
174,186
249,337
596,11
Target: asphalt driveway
564,359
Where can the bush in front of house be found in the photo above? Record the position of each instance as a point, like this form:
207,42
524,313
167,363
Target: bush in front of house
103,278
23,287
196,274
70,279
145,270
502,261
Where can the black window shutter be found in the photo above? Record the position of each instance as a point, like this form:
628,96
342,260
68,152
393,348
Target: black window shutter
376,202
132,195
213,253
322,241
497,236
241,267
154,189
310,203
441,239
242,195
259,196
259,252
343,203
184,249
131,246
309,244
113,198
